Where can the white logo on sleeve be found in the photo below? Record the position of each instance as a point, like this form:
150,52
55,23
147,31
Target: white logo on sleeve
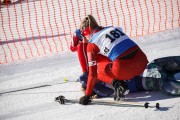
92,63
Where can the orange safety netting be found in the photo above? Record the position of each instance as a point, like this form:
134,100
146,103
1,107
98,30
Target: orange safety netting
31,28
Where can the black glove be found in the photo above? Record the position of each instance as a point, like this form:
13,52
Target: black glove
84,100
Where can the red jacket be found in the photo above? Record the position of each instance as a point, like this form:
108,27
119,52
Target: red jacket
80,47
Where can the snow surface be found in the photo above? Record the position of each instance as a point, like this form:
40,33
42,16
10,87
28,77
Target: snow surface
48,73
39,104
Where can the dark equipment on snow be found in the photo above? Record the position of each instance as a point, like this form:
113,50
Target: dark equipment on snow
61,100
121,89
146,105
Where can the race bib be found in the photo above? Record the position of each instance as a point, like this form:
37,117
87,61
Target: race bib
108,38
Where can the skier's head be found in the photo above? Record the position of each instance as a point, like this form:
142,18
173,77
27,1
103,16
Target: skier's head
87,25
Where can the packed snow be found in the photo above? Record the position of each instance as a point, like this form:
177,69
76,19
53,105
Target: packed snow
49,73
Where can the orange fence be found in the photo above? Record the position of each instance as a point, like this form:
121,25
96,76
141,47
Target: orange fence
32,28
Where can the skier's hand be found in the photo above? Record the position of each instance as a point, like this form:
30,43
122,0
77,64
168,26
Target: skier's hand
84,100
76,38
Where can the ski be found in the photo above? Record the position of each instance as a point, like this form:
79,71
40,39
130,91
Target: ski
62,100
30,87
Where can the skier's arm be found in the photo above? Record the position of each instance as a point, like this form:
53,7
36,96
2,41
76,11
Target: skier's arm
92,50
75,40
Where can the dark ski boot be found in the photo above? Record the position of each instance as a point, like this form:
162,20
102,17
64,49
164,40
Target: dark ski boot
121,89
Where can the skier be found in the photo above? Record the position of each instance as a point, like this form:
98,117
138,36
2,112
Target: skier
101,89
127,58
162,74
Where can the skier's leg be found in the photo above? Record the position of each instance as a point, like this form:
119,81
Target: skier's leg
100,89
127,68
155,78
177,76
151,77
135,84
105,74
120,70
170,86
170,64
168,67
103,66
